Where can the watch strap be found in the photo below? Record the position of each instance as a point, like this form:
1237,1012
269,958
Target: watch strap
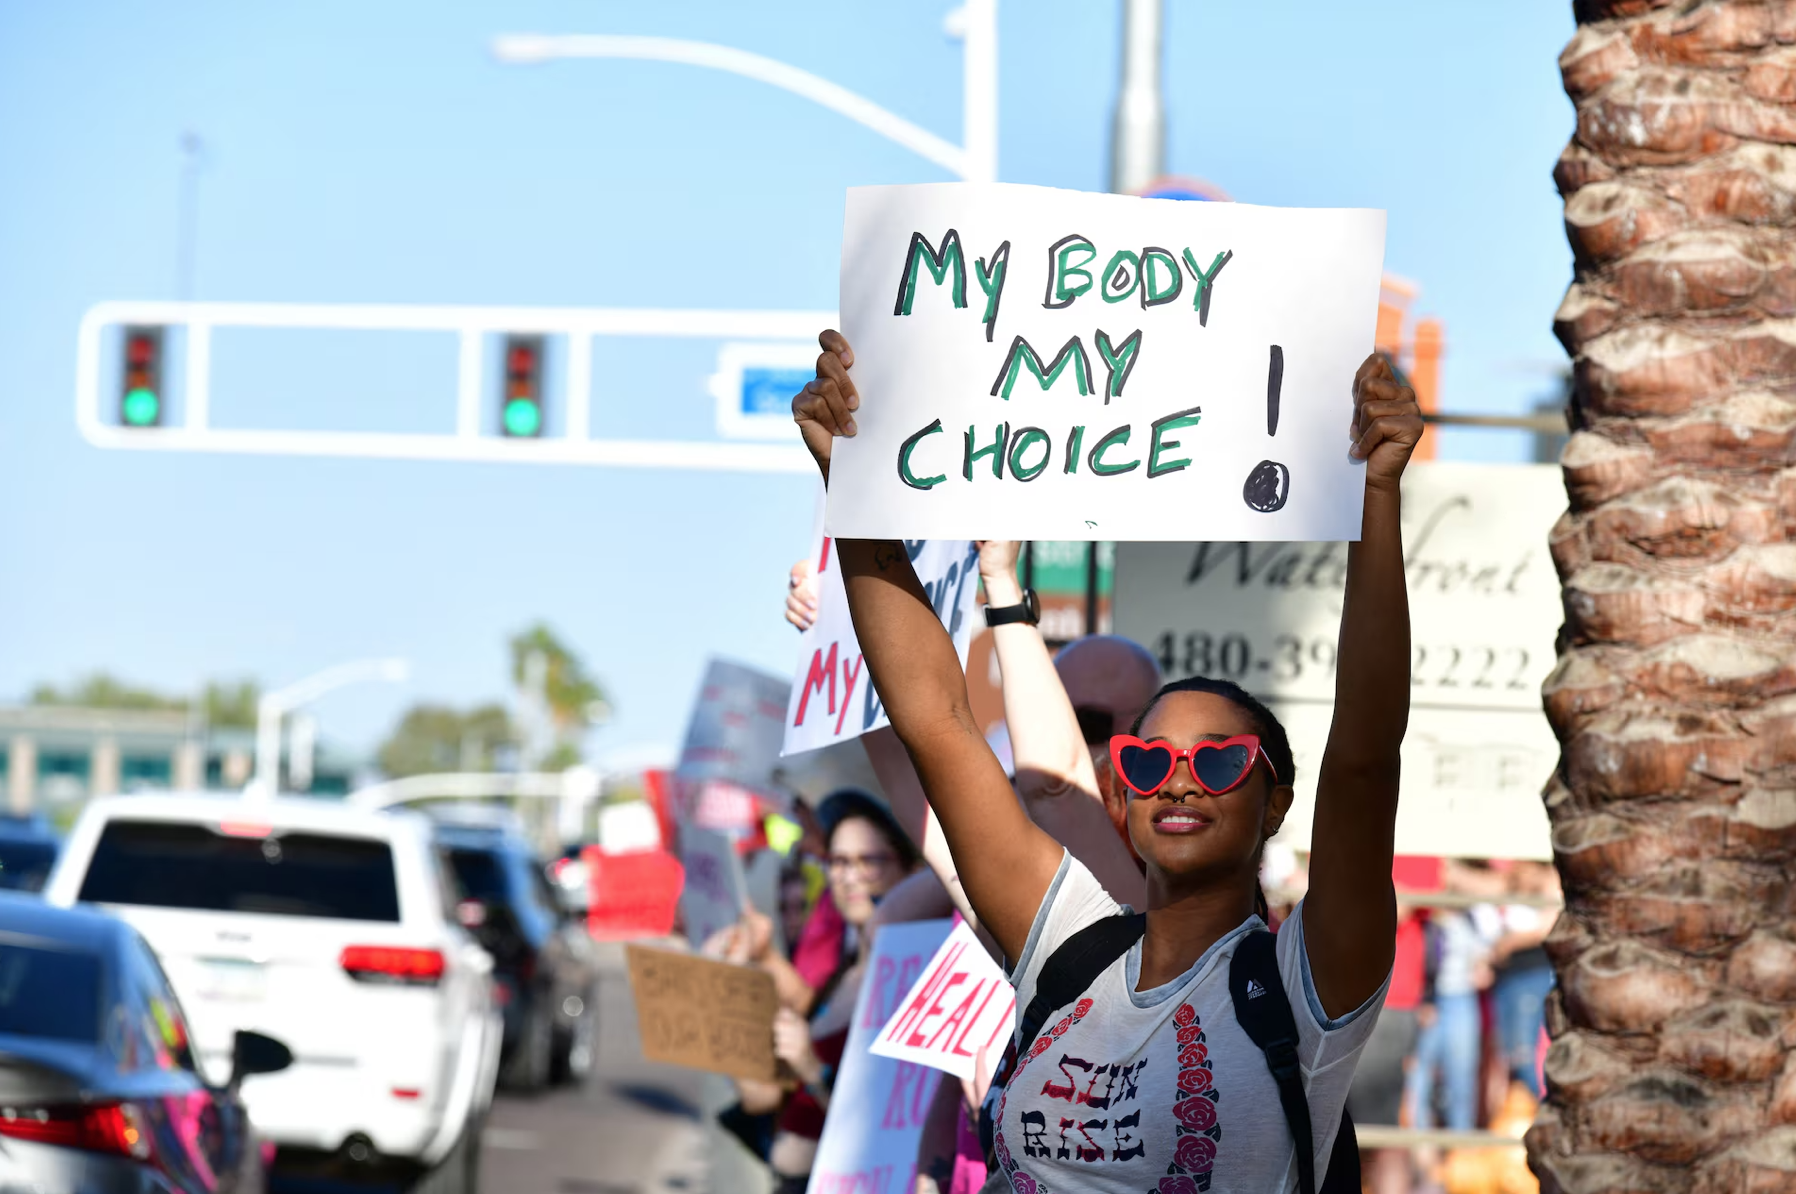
1028,610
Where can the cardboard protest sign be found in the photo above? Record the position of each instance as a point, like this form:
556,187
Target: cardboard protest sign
959,1004
1044,364
715,890
832,699
873,1144
1485,609
735,729
702,1013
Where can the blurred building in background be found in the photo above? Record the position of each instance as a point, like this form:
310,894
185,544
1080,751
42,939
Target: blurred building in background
53,757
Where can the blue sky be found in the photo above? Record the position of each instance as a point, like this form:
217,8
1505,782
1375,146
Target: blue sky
378,153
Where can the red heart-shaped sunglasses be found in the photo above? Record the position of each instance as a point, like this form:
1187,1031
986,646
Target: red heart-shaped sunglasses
1217,767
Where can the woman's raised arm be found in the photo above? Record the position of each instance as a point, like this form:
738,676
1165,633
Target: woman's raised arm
1005,862
1350,914
1054,775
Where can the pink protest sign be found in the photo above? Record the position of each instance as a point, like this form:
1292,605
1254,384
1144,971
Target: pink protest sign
959,1004
869,1146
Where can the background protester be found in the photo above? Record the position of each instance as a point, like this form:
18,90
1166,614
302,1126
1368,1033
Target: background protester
1054,771
1524,974
1376,1096
1110,680
869,856
1443,1082
794,906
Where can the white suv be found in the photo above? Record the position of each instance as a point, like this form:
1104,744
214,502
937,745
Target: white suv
328,927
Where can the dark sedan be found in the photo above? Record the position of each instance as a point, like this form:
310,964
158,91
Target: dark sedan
28,849
98,1089
543,960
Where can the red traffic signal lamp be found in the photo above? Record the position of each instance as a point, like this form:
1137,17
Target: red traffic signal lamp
140,397
521,391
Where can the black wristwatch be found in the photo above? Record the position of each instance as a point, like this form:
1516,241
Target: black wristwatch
1028,611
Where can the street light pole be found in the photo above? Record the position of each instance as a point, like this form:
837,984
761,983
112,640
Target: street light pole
277,704
1138,136
1137,157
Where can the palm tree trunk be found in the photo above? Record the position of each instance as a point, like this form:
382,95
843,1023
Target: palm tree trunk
1673,1063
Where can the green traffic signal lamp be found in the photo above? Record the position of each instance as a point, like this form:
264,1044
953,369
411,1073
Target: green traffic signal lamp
140,378
521,392
140,407
523,417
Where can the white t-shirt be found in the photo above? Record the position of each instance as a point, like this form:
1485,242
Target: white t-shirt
1161,1092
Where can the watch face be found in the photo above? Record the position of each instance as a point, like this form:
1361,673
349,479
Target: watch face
1032,603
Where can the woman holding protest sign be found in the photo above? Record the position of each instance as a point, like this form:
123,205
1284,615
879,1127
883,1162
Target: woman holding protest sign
1151,1079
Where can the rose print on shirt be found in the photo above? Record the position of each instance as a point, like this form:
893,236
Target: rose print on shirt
1197,1133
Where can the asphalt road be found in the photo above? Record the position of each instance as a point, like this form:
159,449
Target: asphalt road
633,1128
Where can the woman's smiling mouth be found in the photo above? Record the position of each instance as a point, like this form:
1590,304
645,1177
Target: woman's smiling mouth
1179,819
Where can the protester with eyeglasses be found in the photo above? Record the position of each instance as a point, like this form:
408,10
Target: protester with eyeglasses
868,854
1188,1101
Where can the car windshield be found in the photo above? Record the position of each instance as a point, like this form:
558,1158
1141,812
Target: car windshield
481,875
25,865
49,993
172,865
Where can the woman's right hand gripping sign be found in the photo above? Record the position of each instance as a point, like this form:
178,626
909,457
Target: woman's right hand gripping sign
825,407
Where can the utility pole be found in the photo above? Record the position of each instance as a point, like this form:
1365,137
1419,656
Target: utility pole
1138,133
1137,157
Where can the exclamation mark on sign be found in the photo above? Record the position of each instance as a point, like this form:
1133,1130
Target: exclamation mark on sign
1269,484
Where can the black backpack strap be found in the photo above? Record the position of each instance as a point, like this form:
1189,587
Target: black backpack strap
1265,1015
1343,1160
1070,970
1067,974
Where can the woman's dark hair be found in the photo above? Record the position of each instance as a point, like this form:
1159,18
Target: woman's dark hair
1273,740
1265,724
849,804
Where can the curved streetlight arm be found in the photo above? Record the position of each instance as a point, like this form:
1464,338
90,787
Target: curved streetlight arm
273,706
304,692
526,48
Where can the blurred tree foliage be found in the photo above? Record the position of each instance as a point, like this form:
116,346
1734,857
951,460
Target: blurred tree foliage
573,698
232,704
224,704
436,738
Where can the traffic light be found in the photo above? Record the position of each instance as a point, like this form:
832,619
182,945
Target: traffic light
140,387
521,396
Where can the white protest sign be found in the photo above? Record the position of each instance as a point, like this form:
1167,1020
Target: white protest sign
959,1004
832,700
715,892
879,1104
1484,611
1045,364
735,728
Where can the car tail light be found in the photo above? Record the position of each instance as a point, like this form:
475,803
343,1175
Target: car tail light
393,964
116,1128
